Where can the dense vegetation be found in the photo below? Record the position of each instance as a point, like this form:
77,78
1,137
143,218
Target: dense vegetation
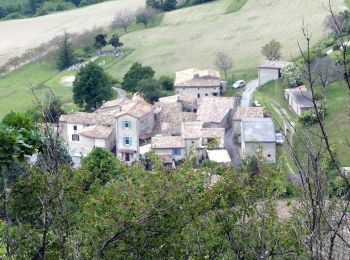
28,8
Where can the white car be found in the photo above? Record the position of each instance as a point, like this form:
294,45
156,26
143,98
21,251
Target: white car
239,84
279,138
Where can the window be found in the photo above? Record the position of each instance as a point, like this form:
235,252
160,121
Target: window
269,155
127,141
75,127
206,94
75,137
176,152
198,95
215,94
127,124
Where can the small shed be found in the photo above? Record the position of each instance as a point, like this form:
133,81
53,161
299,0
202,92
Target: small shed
299,99
270,70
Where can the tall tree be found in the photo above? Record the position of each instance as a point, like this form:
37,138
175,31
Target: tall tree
272,50
146,15
65,52
150,89
123,19
136,73
224,62
115,42
91,87
100,41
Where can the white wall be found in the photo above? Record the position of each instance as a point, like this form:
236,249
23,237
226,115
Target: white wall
131,132
267,74
71,131
268,150
201,91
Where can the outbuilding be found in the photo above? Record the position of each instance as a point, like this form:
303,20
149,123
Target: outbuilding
270,70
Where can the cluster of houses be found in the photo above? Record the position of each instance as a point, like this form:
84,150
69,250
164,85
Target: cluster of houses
196,118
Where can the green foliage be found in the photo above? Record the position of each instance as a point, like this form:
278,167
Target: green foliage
100,165
292,76
235,6
65,53
166,82
150,89
136,73
91,87
18,138
167,5
100,41
272,50
146,16
53,110
115,42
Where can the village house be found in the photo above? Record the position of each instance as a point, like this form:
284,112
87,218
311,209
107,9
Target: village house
169,148
200,83
299,99
270,70
258,136
245,112
216,112
134,124
118,125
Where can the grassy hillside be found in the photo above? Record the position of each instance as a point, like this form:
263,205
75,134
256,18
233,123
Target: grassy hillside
337,121
191,36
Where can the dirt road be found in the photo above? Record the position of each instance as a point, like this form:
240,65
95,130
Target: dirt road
248,91
23,34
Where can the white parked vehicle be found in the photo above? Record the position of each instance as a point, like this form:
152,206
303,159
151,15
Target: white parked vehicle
279,138
239,84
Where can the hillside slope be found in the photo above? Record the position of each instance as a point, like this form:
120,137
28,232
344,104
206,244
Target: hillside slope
29,33
191,36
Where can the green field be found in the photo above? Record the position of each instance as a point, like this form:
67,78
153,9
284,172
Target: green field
337,117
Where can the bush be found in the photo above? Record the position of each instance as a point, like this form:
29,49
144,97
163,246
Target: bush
292,76
166,82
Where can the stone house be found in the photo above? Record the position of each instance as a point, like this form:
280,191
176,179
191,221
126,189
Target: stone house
270,70
245,112
134,123
169,147
216,112
258,135
299,99
199,83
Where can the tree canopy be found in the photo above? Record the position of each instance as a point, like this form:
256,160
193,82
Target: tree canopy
136,73
91,87
65,53
272,50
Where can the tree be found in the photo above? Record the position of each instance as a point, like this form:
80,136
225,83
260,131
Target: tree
65,52
292,76
15,62
123,19
169,5
4,69
150,89
272,50
115,42
166,82
136,73
91,87
53,110
146,15
100,41
100,165
224,62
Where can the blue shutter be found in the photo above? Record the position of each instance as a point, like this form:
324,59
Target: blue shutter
129,124
124,141
122,123
173,152
130,141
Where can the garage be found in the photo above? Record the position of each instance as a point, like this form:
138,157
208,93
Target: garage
270,70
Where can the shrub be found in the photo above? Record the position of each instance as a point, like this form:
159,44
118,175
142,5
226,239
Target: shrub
292,76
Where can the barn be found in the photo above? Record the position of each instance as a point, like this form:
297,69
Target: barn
270,70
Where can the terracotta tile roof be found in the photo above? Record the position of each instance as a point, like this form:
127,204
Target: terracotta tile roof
169,118
167,142
137,108
113,104
191,130
197,78
214,109
274,64
96,131
249,112
87,118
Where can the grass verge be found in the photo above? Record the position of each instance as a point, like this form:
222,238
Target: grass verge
235,5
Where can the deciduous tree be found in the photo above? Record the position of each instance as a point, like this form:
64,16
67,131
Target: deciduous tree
115,42
123,19
224,62
91,87
136,73
272,50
